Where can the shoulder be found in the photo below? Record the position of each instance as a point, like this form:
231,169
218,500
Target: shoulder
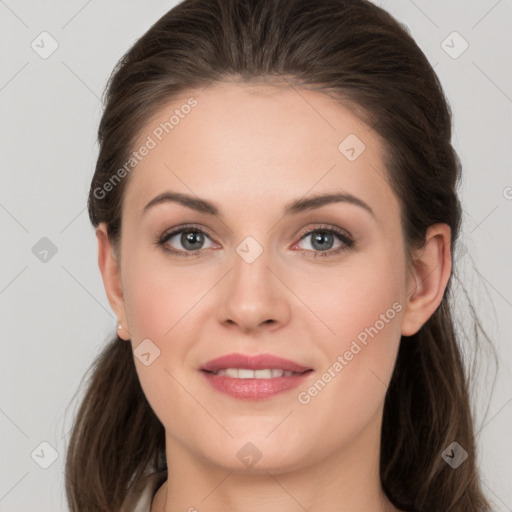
139,498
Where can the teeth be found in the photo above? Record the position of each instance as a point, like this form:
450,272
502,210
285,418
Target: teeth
261,374
244,373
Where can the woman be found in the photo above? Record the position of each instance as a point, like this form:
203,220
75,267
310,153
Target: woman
276,212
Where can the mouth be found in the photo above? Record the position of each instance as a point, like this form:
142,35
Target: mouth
259,377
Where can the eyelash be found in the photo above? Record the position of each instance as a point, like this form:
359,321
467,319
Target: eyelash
347,241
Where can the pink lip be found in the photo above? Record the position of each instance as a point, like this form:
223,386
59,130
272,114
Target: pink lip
258,362
253,389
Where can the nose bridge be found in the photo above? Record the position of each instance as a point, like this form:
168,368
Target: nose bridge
253,295
251,276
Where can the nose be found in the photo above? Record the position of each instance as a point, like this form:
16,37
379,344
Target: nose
253,296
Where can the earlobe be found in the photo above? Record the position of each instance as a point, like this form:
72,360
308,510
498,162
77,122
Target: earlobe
111,275
431,271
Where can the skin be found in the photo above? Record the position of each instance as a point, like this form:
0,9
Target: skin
251,150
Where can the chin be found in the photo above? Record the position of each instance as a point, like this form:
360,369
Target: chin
254,456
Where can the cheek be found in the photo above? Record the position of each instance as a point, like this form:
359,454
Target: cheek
363,292
158,296
370,307
363,306
159,302
369,324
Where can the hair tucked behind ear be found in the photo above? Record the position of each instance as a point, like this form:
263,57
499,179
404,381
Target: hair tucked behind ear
361,56
116,434
426,409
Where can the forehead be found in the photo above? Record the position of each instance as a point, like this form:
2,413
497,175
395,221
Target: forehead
261,143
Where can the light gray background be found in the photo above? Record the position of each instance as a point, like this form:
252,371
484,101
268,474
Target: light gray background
55,315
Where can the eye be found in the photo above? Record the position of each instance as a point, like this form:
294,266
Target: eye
323,238
191,239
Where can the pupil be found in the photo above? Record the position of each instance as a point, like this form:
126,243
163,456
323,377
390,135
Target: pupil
189,238
321,239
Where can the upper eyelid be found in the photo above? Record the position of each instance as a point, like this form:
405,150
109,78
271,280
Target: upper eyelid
192,227
325,227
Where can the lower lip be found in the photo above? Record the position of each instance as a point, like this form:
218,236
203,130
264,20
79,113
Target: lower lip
254,389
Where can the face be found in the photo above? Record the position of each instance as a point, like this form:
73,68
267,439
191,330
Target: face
322,286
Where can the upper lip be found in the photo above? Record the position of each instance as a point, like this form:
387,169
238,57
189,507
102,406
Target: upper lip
253,362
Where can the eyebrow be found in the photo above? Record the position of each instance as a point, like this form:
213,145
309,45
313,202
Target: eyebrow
293,208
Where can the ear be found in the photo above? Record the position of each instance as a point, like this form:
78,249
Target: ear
110,272
432,266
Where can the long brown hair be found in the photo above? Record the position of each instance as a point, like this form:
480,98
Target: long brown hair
360,55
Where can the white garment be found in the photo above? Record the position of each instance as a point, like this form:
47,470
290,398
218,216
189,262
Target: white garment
139,500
